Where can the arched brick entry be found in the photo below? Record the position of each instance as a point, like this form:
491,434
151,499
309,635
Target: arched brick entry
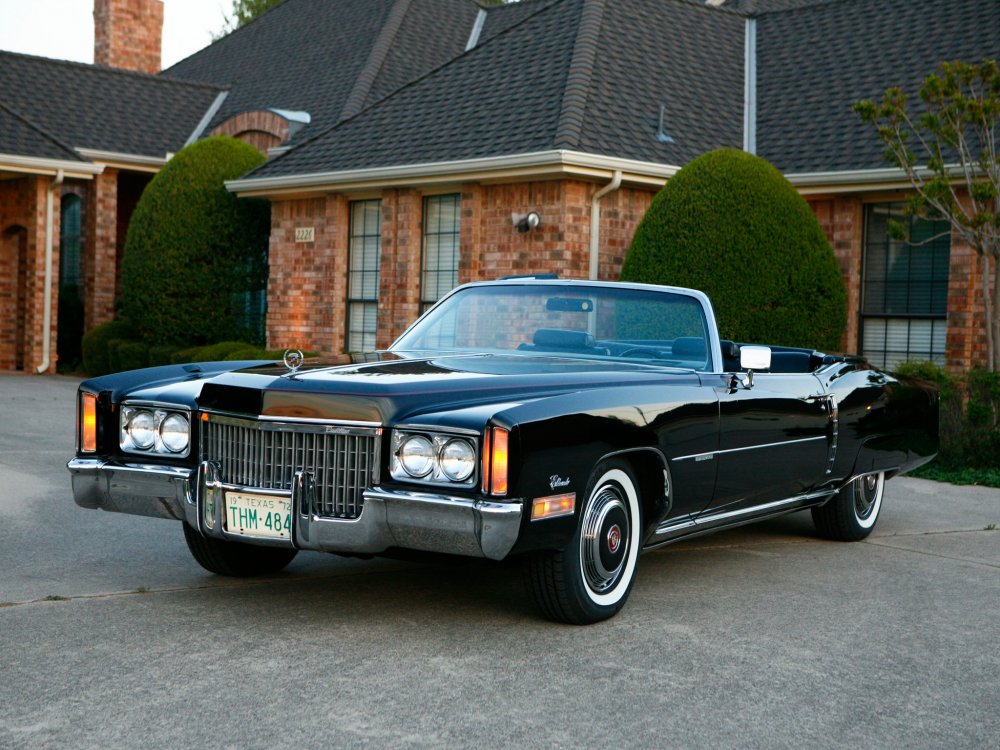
261,129
13,297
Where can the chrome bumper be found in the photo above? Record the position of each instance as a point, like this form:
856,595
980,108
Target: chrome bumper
473,527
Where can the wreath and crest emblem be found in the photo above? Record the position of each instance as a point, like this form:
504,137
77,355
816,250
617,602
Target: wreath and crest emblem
293,360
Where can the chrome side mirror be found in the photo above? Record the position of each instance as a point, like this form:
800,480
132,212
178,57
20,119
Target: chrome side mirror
754,358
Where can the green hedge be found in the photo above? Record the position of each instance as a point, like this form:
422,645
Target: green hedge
732,226
195,254
96,346
970,416
113,347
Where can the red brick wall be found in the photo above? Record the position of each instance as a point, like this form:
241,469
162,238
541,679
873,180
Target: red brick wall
307,285
399,282
22,273
128,34
261,129
16,222
100,249
307,290
492,246
966,312
621,212
842,220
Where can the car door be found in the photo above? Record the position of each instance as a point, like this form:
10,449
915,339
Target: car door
776,439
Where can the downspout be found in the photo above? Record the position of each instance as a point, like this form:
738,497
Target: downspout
750,87
57,182
595,221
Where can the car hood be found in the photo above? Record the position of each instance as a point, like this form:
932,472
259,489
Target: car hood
385,387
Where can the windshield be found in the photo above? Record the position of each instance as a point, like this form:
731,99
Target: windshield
661,327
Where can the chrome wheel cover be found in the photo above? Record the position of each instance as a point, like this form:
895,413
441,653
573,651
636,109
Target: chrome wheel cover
605,539
868,492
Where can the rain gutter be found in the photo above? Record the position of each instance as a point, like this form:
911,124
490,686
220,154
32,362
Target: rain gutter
57,182
595,221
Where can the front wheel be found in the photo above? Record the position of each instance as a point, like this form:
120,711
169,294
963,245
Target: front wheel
234,558
850,515
591,578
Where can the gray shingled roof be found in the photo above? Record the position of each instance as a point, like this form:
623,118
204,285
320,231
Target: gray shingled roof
91,107
329,59
19,137
587,75
815,62
673,53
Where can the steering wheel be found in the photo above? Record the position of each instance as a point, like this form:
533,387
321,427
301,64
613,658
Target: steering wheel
640,351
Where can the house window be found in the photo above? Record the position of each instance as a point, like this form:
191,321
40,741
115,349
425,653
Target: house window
69,241
364,248
439,267
905,288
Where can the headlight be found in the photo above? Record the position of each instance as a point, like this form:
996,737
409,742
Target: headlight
142,429
458,460
153,429
433,458
416,455
175,433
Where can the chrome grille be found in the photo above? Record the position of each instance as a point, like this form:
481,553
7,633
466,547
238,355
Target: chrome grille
343,459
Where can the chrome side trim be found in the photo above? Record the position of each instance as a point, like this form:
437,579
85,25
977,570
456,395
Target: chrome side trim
712,454
714,520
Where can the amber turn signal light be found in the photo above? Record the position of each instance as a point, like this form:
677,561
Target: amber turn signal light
88,423
553,506
498,461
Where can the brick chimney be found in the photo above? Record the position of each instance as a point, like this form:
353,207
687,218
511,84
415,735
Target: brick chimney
128,34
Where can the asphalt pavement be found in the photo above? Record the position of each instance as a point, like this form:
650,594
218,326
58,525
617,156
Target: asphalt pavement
112,636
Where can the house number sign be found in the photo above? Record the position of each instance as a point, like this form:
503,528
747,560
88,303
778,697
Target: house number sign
305,234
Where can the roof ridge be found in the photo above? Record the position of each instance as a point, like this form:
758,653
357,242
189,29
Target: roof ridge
578,78
44,133
355,101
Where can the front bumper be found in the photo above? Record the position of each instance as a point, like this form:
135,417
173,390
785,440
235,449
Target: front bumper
475,527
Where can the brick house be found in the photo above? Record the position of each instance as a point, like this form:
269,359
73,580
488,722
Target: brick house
409,137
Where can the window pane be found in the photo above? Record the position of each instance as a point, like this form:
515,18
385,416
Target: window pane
364,251
69,240
905,288
889,341
905,278
439,271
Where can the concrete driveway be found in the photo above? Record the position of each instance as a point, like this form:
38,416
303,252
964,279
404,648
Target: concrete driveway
111,635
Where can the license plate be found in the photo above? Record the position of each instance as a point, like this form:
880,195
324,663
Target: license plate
258,515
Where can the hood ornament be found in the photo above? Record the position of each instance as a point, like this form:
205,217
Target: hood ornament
293,360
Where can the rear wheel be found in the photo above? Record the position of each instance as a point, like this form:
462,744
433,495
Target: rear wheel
851,514
234,558
591,578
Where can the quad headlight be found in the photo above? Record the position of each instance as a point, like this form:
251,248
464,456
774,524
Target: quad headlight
436,458
155,429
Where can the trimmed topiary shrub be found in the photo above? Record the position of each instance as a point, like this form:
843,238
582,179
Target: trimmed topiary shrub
732,226
96,344
195,253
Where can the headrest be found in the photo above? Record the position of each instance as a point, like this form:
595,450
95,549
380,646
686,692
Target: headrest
562,339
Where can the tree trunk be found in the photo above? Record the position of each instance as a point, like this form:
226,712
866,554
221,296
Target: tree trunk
993,315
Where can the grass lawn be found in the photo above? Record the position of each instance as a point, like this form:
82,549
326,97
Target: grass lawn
983,477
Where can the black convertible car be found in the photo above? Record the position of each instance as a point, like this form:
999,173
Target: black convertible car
574,424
